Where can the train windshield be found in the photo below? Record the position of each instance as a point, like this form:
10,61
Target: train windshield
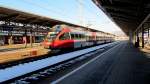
51,36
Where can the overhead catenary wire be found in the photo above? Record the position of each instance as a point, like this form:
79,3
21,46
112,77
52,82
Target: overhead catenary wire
82,7
81,12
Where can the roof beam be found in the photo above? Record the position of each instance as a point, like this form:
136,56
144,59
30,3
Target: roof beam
124,16
128,2
121,12
9,17
123,19
146,18
124,9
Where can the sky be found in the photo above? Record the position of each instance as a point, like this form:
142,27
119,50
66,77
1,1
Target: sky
81,12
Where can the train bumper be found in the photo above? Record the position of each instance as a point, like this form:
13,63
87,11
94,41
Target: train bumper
47,45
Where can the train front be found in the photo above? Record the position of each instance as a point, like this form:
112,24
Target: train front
49,39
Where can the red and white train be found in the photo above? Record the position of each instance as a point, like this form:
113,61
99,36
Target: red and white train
69,37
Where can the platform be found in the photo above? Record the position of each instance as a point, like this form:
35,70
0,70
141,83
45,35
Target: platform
122,64
15,52
12,47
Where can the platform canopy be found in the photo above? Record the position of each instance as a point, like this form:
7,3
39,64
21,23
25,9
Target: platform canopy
17,16
127,14
8,14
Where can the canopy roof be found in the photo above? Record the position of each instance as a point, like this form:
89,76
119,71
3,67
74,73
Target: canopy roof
128,14
8,14
27,18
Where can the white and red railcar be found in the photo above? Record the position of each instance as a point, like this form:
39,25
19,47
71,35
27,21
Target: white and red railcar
68,37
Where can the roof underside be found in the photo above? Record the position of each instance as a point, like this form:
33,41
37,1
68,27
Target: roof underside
11,15
7,14
127,14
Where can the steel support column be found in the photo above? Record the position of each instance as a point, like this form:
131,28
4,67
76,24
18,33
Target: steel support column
142,36
148,32
31,43
25,35
138,40
131,36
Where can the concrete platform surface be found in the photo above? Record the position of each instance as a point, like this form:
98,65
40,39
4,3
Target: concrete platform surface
12,47
18,52
123,64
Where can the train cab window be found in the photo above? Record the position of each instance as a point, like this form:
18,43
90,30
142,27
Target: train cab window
51,37
64,36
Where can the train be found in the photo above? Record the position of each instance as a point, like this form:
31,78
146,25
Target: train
61,37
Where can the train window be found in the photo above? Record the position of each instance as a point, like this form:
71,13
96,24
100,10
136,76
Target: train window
82,36
79,36
87,38
75,36
72,36
65,36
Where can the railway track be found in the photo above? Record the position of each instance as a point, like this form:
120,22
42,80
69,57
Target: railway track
34,70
